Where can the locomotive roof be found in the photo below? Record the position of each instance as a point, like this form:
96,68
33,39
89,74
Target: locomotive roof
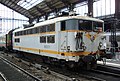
61,19
66,18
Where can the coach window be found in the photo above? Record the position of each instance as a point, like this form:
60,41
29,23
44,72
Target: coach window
63,25
17,40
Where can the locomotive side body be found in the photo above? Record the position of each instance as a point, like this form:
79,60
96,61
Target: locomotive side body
75,40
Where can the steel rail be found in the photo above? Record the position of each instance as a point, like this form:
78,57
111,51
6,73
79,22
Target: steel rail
34,77
3,77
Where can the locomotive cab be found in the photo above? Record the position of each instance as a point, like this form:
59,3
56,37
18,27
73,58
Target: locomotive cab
81,35
81,40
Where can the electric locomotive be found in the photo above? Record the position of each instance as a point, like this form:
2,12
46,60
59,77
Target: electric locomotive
72,41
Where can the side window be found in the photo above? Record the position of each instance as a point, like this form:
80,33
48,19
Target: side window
47,28
63,25
37,30
29,31
15,33
51,28
51,39
42,29
24,32
17,40
20,32
43,39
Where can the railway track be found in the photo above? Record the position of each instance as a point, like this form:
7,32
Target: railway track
39,72
2,77
20,69
112,70
66,75
104,73
55,71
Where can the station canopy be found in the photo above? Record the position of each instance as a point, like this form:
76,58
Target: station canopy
37,8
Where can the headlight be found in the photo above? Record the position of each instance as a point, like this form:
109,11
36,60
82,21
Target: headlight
100,44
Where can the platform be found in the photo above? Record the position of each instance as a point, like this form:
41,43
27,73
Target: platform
12,74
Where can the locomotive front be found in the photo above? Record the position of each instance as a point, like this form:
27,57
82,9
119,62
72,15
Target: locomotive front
84,40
